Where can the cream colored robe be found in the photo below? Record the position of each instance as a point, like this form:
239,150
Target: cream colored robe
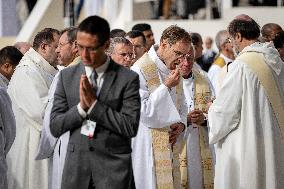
28,91
158,110
248,144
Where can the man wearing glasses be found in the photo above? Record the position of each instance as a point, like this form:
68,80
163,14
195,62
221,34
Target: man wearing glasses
163,112
121,51
98,102
196,154
51,147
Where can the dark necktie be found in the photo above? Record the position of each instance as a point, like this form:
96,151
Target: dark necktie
94,78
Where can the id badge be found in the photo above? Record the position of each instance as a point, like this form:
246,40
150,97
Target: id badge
88,128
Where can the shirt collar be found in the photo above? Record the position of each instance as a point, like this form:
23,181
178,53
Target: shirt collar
160,64
226,59
100,70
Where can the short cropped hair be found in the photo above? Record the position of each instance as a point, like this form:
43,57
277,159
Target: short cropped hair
279,40
221,38
268,28
117,33
96,25
141,27
117,40
136,33
11,55
71,33
195,38
173,34
248,29
44,36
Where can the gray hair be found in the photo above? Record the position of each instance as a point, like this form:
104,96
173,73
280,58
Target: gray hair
221,38
115,41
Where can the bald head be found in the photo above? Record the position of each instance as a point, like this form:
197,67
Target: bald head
243,17
269,31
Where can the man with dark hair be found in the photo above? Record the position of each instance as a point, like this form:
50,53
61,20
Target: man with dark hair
279,44
138,41
49,146
9,58
28,90
163,112
7,134
148,33
117,33
121,51
269,31
98,101
246,119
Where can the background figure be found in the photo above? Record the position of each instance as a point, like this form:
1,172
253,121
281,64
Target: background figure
196,151
198,48
269,31
23,46
209,54
148,33
279,44
219,68
50,147
98,101
121,51
138,41
28,90
9,58
7,134
245,127
117,33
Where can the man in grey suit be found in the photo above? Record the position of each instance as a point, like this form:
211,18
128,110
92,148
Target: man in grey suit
98,102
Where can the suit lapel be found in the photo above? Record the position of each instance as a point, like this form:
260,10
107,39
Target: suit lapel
110,75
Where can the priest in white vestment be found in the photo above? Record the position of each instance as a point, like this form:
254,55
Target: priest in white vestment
226,56
163,110
244,124
196,150
50,147
7,133
28,90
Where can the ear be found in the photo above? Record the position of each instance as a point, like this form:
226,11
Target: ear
43,47
238,37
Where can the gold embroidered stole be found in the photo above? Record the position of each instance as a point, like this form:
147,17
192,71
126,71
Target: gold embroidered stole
165,156
220,62
201,95
255,61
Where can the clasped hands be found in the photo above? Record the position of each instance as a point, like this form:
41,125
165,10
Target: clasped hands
196,116
87,93
176,130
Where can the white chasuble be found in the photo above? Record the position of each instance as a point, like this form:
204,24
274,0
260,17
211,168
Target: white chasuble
248,143
28,90
159,110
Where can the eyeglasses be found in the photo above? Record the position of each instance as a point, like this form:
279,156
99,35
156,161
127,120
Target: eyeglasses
180,56
88,49
61,45
124,55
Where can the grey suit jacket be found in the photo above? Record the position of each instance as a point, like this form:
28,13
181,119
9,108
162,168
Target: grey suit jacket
105,158
7,133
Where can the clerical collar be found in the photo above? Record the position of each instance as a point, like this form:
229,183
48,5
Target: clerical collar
188,76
